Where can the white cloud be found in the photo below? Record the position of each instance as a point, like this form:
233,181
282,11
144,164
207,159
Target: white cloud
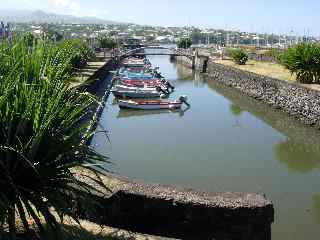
59,3
73,7
65,6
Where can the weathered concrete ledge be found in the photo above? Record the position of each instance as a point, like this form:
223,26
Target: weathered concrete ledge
176,213
99,84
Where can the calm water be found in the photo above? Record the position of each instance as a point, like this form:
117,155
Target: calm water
225,142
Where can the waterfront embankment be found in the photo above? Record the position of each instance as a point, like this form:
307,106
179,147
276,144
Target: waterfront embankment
298,101
177,213
174,212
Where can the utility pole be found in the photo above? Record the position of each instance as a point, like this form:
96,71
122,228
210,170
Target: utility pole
227,40
237,38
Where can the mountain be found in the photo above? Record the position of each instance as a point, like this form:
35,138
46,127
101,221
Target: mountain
27,16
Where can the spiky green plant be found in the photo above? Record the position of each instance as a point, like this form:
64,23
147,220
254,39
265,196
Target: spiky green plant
107,42
77,50
303,60
184,43
42,137
238,55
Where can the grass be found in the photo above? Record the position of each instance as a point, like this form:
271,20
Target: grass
273,70
85,73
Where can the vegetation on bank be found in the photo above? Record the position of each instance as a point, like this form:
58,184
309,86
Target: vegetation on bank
77,51
262,68
238,55
107,43
184,43
303,60
42,135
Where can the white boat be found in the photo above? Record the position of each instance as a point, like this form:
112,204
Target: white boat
122,91
137,94
153,104
128,87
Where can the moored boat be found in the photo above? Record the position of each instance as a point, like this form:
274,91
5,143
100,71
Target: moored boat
138,93
142,82
153,104
131,87
148,83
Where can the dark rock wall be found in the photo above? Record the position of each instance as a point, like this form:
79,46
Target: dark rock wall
261,57
170,212
99,84
299,102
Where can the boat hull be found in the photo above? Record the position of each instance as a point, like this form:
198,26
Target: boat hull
136,94
150,105
134,88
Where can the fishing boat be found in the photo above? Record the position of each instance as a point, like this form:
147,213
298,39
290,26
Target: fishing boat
142,82
148,83
131,87
129,92
137,94
153,104
143,85
139,75
135,62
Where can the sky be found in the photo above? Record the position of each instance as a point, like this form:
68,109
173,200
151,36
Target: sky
272,16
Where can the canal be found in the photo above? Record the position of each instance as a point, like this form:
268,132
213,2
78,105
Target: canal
224,142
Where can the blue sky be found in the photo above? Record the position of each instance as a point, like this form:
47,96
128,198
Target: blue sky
247,15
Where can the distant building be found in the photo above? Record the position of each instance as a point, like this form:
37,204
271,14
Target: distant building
5,30
132,42
2,30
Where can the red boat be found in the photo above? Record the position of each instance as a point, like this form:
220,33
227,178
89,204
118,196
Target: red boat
134,83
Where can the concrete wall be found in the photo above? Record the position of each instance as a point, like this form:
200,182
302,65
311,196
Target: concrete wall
299,102
197,63
99,84
185,61
261,57
172,212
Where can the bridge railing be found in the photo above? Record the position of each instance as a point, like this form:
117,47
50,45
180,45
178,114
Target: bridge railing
177,51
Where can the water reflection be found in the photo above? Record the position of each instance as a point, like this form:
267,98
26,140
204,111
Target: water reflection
127,113
184,72
316,207
209,149
297,156
236,110
300,151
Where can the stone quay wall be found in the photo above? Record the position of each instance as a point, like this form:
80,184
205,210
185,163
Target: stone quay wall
298,101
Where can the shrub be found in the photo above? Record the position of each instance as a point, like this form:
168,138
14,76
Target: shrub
107,42
303,60
42,138
78,52
239,56
184,43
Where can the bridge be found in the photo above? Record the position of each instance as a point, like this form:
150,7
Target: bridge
171,51
197,61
